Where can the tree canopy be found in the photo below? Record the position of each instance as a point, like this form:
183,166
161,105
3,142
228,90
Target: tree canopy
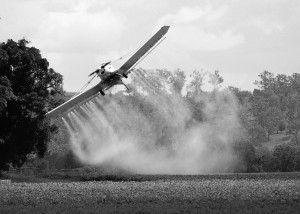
28,89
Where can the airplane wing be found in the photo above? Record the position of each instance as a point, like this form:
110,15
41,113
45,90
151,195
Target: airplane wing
143,50
73,101
123,70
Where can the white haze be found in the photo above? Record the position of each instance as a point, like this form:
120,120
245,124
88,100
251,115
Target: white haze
107,131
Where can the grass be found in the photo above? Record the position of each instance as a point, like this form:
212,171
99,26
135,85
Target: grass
219,193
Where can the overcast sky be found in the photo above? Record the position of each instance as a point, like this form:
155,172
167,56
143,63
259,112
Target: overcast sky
237,37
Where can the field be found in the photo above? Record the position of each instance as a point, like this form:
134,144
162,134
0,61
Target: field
222,193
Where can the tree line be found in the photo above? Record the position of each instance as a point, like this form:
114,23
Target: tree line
273,109
29,88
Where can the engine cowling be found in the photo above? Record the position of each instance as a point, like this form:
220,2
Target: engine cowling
105,70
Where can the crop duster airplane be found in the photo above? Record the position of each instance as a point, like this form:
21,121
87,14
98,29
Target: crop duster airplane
110,76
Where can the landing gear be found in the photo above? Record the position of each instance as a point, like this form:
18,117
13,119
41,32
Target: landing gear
102,92
124,75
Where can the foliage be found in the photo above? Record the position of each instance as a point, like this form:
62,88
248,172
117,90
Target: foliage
286,157
29,88
265,160
267,80
276,106
6,93
266,111
242,96
246,155
257,135
215,79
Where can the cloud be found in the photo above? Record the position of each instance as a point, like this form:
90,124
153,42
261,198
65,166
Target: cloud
80,31
265,25
198,28
194,38
185,15
207,15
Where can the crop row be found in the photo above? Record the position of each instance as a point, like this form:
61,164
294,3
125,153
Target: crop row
234,195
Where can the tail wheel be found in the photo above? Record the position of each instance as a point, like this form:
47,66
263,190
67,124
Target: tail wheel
124,75
102,92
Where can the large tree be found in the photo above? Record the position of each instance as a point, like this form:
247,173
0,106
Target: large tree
28,89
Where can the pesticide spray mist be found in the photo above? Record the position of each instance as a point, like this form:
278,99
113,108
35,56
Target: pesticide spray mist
157,133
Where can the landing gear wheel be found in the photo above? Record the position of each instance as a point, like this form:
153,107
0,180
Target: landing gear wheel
102,92
124,75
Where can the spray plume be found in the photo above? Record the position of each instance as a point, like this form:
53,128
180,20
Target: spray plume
157,130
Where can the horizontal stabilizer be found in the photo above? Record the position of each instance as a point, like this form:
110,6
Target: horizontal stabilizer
73,101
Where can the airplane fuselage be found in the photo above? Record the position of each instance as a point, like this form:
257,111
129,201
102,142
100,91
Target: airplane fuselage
105,72
109,77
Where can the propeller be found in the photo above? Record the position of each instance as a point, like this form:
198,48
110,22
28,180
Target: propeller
101,68
105,64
